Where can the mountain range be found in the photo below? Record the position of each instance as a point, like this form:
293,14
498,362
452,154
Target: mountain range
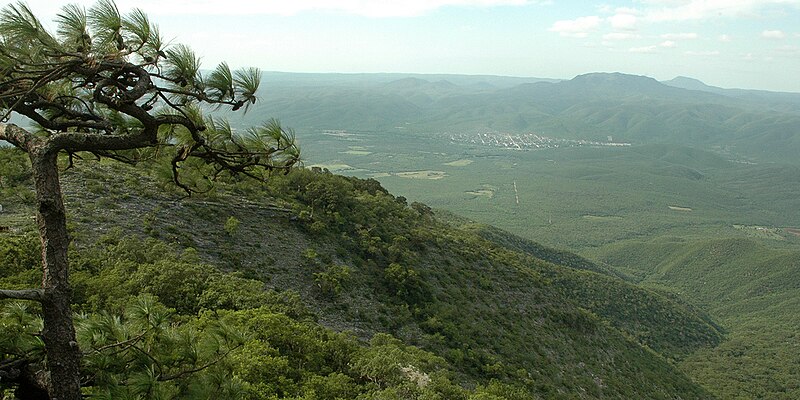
757,126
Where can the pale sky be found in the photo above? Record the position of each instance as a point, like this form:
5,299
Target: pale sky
752,44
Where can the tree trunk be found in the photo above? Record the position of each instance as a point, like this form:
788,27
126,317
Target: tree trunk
63,355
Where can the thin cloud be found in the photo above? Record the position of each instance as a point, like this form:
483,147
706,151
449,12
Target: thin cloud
725,38
790,51
623,21
692,10
644,49
579,27
627,10
669,44
679,36
773,34
711,53
371,8
620,36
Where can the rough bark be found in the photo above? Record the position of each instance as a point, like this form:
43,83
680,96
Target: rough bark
63,354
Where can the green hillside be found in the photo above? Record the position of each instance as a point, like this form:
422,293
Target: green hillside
647,315
365,262
751,286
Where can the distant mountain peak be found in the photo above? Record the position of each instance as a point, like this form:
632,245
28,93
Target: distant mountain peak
687,79
684,82
616,81
616,77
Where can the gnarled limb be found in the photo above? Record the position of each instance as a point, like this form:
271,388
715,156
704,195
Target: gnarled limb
15,135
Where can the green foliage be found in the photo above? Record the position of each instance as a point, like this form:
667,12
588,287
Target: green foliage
120,267
333,279
496,390
669,327
19,332
143,349
19,254
145,353
389,362
15,178
231,225
753,290
404,281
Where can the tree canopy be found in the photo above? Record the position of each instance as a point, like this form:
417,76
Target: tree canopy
108,84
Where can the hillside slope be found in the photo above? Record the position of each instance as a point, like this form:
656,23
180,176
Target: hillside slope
367,262
749,285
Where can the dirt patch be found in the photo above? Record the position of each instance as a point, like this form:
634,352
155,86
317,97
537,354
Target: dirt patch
793,231
677,208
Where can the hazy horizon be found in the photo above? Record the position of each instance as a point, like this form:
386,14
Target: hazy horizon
748,44
435,74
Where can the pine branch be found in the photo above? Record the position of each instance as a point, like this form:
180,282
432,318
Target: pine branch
163,378
124,345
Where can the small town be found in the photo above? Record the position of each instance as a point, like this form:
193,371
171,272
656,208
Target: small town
525,141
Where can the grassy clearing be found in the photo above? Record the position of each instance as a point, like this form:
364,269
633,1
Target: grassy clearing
601,218
459,163
432,175
356,151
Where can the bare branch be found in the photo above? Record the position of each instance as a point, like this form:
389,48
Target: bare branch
26,294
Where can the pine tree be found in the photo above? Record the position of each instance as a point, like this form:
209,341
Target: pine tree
105,84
